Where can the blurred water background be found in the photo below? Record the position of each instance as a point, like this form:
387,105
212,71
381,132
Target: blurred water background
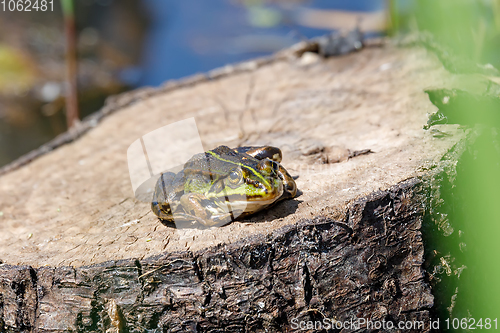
192,36
132,43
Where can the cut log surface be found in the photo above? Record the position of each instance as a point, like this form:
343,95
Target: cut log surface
80,253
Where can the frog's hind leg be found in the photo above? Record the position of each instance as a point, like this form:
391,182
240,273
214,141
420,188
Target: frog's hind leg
262,152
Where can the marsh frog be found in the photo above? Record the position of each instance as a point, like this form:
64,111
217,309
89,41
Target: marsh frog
223,184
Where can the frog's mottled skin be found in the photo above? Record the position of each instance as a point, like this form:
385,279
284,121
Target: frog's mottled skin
222,184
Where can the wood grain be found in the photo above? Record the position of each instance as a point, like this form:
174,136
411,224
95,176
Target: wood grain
81,253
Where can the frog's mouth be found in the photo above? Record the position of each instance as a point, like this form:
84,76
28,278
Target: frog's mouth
242,206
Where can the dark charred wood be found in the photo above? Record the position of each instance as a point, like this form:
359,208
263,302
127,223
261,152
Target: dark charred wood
368,266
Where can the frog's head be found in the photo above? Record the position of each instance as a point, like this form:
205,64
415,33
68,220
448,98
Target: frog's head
227,178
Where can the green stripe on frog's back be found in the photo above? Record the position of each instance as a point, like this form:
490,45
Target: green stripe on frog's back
242,166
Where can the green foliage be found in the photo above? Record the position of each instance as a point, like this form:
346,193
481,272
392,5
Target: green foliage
17,72
469,29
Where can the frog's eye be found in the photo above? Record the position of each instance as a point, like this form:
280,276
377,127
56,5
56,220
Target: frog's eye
235,177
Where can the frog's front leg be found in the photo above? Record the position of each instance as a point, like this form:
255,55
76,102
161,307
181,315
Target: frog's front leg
199,208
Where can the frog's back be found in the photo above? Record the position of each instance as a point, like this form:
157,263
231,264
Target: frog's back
220,161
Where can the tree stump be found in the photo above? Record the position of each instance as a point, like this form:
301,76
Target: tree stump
81,254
